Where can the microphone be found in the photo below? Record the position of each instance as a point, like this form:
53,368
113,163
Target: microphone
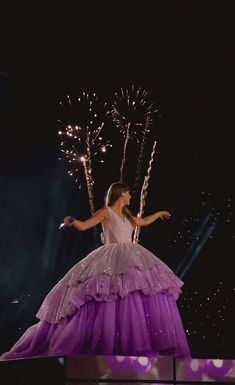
71,220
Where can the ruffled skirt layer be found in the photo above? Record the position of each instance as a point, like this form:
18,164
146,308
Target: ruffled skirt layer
134,325
119,300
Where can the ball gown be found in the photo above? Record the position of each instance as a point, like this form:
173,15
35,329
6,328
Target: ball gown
119,300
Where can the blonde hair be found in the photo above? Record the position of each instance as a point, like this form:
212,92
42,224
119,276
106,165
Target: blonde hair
114,193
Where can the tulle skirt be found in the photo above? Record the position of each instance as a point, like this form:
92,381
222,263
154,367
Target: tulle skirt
119,300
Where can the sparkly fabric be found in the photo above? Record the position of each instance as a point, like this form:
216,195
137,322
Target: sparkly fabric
120,299
134,325
108,272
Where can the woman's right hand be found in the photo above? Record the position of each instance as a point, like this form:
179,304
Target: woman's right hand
68,222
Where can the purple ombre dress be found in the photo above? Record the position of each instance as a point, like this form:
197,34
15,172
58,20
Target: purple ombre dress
119,300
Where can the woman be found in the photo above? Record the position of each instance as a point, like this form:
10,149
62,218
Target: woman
120,299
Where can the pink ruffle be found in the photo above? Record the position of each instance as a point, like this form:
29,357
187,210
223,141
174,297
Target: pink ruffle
68,296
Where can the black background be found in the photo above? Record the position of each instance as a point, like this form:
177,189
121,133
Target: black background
181,52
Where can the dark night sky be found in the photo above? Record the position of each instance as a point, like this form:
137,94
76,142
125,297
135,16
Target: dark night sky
181,52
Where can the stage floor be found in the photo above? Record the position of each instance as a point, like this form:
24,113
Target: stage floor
68,370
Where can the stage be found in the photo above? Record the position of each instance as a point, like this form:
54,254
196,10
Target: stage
68,370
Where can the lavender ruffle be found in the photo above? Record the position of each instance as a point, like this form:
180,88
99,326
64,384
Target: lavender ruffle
104,275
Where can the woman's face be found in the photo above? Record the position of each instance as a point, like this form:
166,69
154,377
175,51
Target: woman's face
126,196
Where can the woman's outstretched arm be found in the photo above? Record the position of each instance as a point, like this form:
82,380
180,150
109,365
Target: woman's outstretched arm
98,217
151,218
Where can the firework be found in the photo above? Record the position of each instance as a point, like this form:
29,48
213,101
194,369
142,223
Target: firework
132,113
82,125
143,194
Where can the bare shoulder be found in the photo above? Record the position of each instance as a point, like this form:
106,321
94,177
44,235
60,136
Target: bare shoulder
104,212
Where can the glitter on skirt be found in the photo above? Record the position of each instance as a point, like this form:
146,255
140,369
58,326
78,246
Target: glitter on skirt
120,299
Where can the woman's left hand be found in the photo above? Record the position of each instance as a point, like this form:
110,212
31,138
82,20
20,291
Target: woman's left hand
164,215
